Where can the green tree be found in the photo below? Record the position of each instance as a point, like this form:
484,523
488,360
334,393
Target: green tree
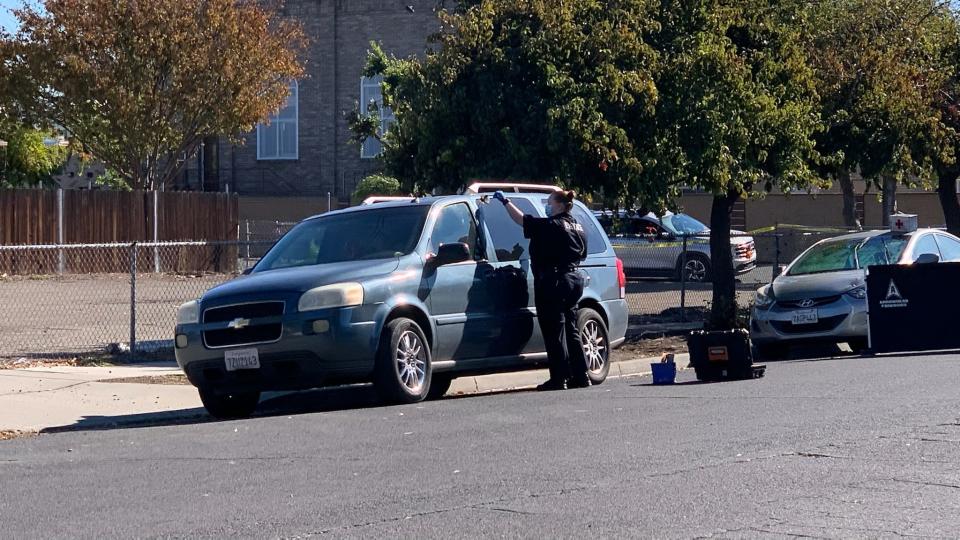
140,83
878,66
946,105
376,185
737,113
542,90
27,161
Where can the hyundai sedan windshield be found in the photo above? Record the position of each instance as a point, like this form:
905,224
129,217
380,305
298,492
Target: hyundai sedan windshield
849,254
355,236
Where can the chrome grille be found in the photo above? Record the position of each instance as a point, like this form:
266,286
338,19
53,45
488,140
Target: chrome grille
243,324
809,302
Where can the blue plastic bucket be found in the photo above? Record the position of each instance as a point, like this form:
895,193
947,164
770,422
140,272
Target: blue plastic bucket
664,372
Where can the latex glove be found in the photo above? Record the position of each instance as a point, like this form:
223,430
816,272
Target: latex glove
501,197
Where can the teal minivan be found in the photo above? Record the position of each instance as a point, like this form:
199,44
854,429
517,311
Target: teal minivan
407,295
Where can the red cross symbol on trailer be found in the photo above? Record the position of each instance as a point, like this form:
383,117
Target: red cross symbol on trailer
899,223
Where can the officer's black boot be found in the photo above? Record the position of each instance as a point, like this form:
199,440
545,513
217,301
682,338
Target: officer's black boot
551,385
579,381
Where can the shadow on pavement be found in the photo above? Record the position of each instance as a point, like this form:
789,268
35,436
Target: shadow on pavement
812,353
271,405
678,383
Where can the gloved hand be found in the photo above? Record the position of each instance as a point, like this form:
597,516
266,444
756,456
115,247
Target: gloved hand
501,197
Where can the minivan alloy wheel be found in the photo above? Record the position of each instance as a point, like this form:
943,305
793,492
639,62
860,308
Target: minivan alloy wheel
411,360
594,346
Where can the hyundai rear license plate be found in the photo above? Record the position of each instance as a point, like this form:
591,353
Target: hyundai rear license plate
805,316
242,359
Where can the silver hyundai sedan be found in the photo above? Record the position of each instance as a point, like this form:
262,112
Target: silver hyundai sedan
822,296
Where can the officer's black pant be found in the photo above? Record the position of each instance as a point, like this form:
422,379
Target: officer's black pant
556,297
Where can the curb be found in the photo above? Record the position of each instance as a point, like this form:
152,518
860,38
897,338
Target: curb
521,380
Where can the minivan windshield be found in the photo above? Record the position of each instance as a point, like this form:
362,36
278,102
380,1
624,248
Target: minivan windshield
355,236
849,254
682,224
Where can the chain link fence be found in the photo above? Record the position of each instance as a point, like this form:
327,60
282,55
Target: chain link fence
259,235
670,278
68,300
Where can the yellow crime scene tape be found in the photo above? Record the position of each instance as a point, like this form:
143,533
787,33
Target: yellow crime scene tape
800,228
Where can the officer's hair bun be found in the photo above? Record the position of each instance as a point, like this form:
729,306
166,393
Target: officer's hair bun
569,196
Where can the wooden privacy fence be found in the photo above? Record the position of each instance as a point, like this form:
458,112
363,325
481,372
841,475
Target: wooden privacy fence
185,258
66,217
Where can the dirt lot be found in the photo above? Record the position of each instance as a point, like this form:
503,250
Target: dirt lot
67,316
153,379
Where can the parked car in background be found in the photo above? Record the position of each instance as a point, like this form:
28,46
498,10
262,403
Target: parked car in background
405,294
652,246
821,296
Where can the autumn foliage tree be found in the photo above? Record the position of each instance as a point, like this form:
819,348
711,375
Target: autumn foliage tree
140,83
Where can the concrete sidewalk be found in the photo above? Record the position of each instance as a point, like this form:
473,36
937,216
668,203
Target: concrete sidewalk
39,399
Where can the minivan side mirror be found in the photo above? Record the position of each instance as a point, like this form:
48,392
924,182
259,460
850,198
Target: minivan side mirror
928,258
456,252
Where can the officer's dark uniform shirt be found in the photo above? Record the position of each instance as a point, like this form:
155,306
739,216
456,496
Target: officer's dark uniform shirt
556,242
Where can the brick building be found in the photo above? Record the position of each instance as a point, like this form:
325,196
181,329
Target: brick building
306,149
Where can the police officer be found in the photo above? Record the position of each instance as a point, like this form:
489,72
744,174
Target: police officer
557,245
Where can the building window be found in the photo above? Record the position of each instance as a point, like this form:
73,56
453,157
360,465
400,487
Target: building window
280,138
371,96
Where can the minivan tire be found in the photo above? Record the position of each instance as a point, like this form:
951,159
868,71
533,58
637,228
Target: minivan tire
402,343
702,262
229,405
596,344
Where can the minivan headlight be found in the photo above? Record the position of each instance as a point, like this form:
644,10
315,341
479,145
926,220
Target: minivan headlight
331,296
764,297
189,313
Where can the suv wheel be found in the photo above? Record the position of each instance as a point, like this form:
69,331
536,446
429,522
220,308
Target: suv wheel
697,269
402,372
596,344
229,405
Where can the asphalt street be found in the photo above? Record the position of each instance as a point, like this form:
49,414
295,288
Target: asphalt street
844,448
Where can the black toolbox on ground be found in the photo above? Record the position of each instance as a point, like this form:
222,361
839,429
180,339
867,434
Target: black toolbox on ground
718,356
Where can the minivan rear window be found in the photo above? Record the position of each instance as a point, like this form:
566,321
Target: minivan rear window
596,240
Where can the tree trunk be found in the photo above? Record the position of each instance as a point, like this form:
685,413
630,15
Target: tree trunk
947,191
889,198
724,313
849,200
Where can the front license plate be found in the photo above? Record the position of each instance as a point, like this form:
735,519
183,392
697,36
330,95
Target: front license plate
242,359
806,316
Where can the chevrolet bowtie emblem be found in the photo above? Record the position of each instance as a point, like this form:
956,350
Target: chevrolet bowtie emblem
239,323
